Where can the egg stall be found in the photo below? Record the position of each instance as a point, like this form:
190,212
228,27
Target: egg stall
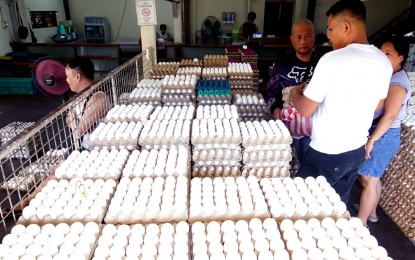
185,165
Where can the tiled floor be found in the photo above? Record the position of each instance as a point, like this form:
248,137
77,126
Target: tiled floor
33,107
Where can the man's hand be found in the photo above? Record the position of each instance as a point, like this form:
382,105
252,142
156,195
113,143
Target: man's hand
277,114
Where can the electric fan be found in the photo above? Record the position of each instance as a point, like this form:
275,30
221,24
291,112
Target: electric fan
49,76
210,30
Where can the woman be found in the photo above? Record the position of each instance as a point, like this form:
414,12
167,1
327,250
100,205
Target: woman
383,143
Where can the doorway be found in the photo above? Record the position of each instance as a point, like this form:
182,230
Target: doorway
278,18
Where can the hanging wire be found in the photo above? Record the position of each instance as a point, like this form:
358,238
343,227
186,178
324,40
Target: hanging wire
119,29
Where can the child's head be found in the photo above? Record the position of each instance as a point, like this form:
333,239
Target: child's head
163,28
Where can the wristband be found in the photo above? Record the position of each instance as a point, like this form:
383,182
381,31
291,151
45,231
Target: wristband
371,139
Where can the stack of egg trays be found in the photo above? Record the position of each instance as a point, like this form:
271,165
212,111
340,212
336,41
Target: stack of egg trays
138,163
218,155
148,91
10,131
260,150
162,69
398,197
28,176
129,113
213,92
254,108
178,95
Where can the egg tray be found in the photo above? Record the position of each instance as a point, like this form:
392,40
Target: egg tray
213,101
96,255
211,63
192,71
240,215
316,194
233,76
162,113
247,93
177,88
230,228
58,241
74,218
266,172
398,199
180,103
235,156
341,239
191,63
241,83
133,114
27,177
270,156
233,54
145,219
207,163
178,97
216,171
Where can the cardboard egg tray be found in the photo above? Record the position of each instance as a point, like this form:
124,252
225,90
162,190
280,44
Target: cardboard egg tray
398,196
191,63
233,54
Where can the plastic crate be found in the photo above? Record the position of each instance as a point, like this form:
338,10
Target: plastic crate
17,86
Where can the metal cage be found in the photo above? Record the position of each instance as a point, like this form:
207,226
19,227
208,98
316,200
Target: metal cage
51,138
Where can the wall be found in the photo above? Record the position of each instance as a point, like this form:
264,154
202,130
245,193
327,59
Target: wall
129,30
5,34
379,13
42,34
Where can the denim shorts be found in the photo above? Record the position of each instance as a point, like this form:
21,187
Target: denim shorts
381,155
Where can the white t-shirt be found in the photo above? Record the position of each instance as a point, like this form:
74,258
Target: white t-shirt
348,83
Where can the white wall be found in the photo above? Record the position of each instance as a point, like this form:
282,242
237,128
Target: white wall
42,34
5,34
379,13
113,10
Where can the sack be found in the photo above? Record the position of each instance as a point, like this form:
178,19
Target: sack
297,124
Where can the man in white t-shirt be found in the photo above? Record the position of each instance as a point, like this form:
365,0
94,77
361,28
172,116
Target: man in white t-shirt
347,85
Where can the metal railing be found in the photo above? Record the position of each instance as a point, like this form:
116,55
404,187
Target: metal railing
52,137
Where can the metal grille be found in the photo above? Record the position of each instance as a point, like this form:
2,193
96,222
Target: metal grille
57,134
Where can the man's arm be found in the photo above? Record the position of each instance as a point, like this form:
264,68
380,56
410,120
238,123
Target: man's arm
302,104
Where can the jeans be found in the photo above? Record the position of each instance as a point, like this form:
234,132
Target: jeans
340,170
301,147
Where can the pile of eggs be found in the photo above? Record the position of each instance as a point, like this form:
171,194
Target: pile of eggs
215,61
179,90
102,164
217,111
218,156
149,200
69,201
129,113
165,241
165,133
150,96
197,71
116,135
409,118
154,163
248,98
179,83
330,239
148,91
267,151
254,239
299,198
215,133
240,70
285,97
214,73
173,112
226,198
216,170
63,241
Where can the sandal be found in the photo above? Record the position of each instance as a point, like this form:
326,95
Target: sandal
370,219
